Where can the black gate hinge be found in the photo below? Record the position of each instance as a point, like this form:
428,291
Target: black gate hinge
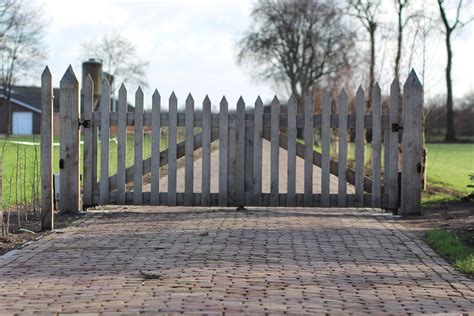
396,127
85,123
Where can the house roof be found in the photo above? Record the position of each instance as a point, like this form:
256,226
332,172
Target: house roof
30,98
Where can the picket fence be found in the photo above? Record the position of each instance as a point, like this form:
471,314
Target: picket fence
240,134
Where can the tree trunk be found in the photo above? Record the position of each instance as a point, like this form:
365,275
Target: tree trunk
9,116
399,46
450,132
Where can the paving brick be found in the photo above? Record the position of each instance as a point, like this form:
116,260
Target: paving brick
302,261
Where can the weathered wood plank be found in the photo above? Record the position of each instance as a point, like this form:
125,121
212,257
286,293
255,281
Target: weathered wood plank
325,150
104,142
147,120
121,144
240,152
392,185
359,147
138,157
308,152
46,167
249,150
291,159
206,153
412,146
342,160
69,149
155,148
223,152
257,153
282,198
172,136
274,152
189,151
376,146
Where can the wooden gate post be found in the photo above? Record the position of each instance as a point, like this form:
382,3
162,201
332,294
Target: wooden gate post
46,167
412,144
69,149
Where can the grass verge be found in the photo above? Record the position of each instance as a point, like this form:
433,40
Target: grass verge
448,245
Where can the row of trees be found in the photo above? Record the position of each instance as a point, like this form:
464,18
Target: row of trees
307,44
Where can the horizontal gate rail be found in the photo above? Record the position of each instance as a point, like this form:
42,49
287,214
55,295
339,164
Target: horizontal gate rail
249,120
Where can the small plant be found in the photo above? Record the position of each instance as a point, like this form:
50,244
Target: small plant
471,183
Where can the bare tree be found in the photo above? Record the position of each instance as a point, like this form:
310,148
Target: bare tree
21,45
119,58
450,27
366,12
296,43
400,6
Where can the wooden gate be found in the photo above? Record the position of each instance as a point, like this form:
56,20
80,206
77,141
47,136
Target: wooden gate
241,131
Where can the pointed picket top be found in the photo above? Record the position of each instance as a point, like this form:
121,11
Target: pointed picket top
376,88
206,101
89,82
46,73
240,102
69,77
258,102
343,93
360,91
189,99
105,83
292,100
173,97
275,100
139,91
223,102
327,101
156,97
395,84
412,79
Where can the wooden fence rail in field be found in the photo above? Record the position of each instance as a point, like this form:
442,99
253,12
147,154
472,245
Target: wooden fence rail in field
241,133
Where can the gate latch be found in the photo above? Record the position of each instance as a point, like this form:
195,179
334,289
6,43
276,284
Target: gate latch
61,163
85,123
396,127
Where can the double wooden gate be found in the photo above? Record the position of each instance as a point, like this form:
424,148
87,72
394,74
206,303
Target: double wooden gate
240,132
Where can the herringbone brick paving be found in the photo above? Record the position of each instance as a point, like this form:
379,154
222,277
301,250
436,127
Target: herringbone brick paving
223,261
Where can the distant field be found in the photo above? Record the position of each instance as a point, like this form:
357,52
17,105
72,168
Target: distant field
449,165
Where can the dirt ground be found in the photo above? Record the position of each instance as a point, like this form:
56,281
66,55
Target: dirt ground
31,230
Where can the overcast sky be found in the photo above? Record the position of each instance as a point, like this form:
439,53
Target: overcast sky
190,45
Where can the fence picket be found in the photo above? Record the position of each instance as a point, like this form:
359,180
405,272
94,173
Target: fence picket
257,153
376,145
275,152
121,144
308,151
291,159
189,152
223,151
88,101
412,145
172,137
359,148
240,152
392,187
155,147
342,159
206,152
138,157
104,141
46,167
325,150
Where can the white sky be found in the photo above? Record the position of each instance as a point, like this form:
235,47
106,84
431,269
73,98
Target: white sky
190,46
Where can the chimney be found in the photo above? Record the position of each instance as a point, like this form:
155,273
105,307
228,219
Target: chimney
93,67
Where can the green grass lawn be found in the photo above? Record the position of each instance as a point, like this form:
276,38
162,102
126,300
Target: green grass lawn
448,245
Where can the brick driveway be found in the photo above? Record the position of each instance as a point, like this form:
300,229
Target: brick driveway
214,261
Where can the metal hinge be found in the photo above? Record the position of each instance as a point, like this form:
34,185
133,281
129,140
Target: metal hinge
85,123
396,127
